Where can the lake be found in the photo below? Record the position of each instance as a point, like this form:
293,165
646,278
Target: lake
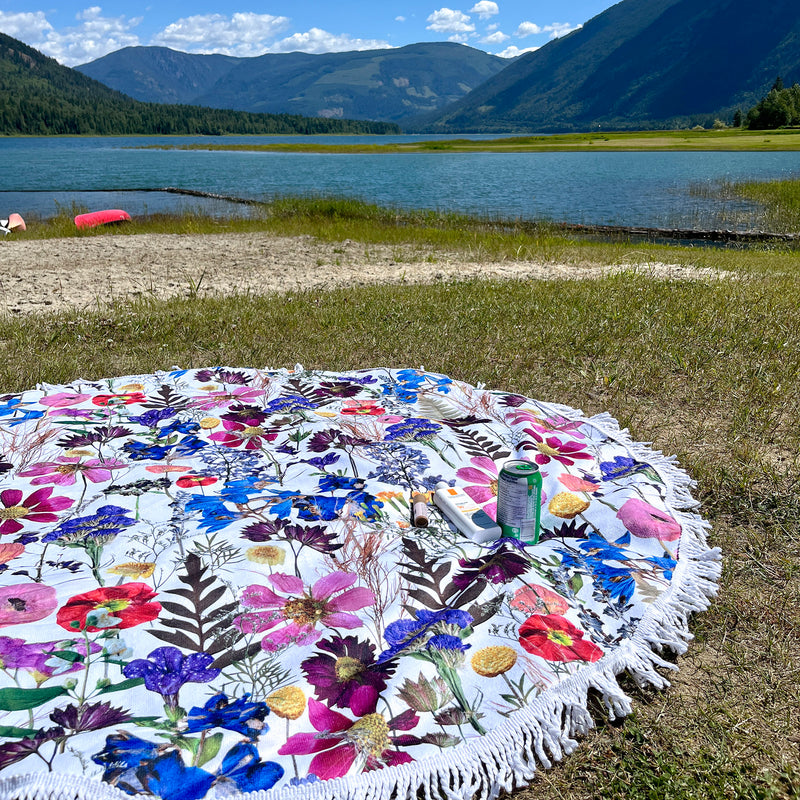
39,175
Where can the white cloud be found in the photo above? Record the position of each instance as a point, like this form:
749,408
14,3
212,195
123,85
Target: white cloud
446,20
485,9
316,40
94,35
528,29
241,34
399,19
512,52
27,26
498,37
554,30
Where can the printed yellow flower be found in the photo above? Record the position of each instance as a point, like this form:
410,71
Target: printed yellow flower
134,569
567,505
132,387
327,414
266,554
493,661
287,703
207,423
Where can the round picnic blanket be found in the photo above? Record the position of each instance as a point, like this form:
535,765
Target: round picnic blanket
211,585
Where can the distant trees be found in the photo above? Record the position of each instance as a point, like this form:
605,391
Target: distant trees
780,108
39,97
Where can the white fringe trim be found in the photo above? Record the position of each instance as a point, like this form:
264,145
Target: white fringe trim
539,734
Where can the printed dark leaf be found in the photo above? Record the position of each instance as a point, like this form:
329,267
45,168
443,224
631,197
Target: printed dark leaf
483,611
427,600
167,397
210,627
232,656
176,638
477,445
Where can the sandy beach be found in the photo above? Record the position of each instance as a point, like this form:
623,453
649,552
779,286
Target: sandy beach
93,272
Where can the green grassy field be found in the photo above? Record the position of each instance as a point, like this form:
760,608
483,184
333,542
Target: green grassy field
706,370
725,139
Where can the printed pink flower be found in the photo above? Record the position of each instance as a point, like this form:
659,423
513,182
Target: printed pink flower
647,522
37,507
482,477
10,551
248,433
341,742
65,469
576,484
554,448
239,394
327,602
63,399
546,424
26,602
538,600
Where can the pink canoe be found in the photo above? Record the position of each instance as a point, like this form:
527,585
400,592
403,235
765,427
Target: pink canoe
94,218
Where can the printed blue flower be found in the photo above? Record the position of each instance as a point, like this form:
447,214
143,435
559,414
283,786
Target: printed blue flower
243,766
169,778
108,521
240,716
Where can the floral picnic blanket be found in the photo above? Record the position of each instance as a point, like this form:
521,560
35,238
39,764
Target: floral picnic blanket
211,585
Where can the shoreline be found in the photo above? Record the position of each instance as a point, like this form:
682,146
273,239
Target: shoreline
55,275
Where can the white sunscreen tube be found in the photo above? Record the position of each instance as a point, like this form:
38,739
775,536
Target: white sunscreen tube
465,514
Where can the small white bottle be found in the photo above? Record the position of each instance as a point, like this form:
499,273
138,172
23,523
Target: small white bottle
465,513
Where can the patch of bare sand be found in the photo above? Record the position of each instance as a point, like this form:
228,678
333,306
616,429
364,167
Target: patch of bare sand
93,272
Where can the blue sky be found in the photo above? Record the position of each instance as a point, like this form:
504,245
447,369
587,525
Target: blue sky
74,33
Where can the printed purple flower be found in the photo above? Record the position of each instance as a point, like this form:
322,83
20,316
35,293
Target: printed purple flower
317,537
346,675
327,602
222,376
97,436
65,469
89,718
166,669
36,507
26,602
18,654
502,565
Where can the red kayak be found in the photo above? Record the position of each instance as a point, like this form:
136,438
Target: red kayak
95,218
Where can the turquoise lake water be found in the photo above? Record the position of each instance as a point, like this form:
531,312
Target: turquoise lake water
39,175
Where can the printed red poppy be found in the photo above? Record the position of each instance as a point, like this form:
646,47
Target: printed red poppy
188,481
109,607
555,638
124,398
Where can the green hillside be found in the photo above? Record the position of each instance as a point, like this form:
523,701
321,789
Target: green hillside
389,84
640,64
38,96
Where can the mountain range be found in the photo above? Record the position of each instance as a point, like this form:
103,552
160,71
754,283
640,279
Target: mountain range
389,85
639,64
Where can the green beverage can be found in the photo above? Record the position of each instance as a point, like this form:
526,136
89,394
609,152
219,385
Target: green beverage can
519,500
